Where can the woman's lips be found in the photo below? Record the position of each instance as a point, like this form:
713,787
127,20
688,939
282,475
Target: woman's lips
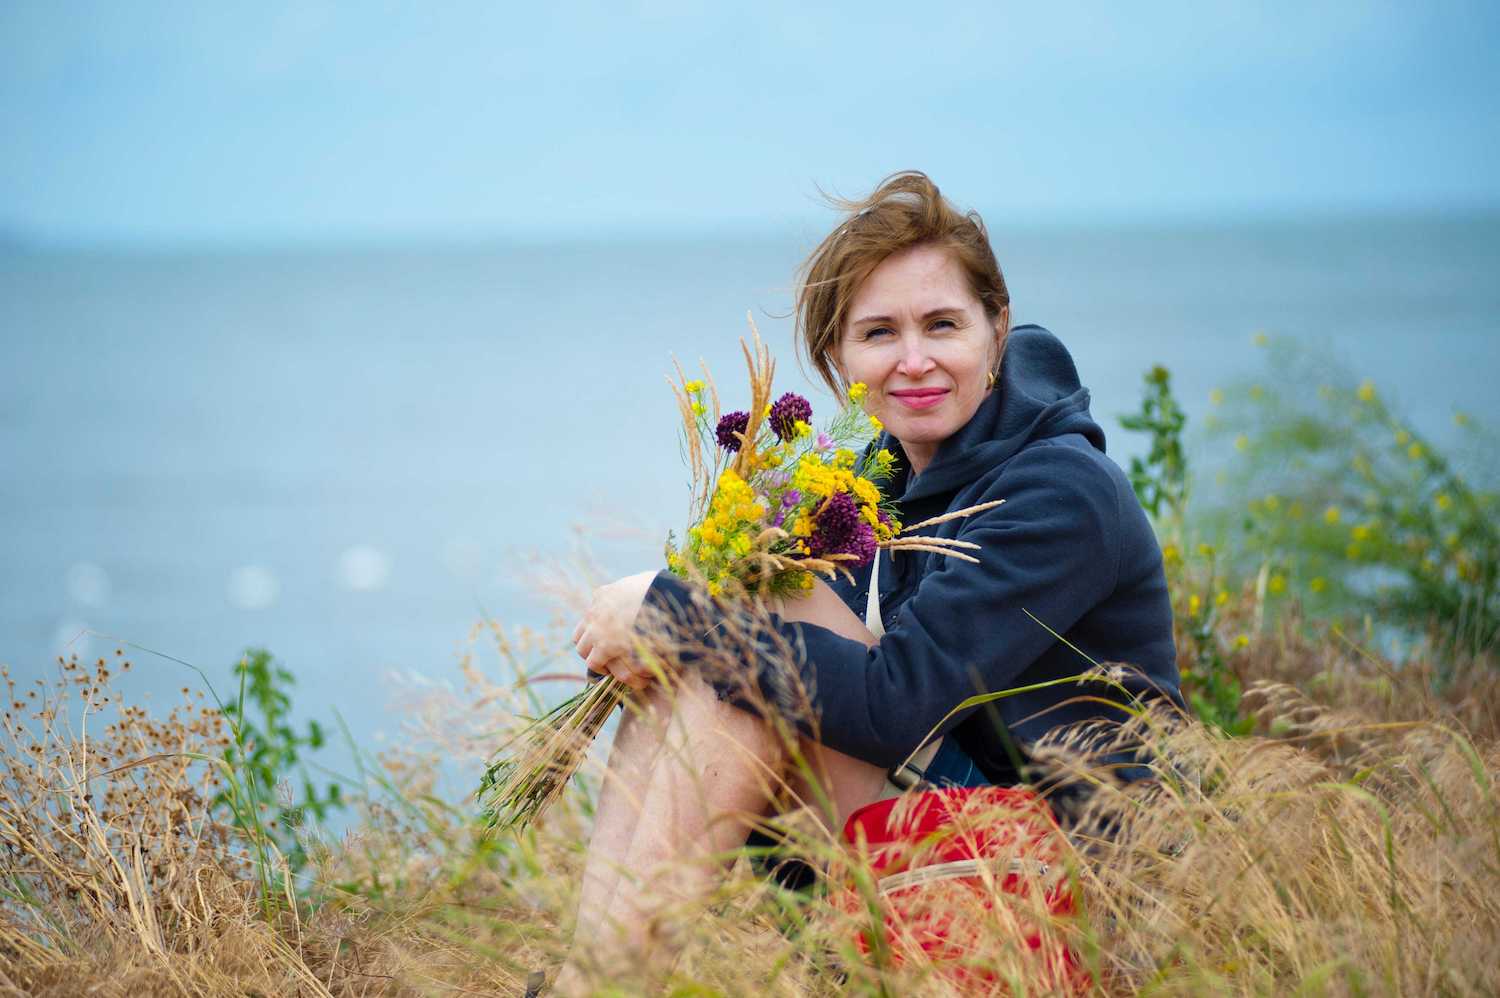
919,398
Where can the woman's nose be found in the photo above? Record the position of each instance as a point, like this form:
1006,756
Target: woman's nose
915,360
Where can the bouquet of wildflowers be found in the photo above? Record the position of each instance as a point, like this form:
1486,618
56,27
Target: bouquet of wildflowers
775,500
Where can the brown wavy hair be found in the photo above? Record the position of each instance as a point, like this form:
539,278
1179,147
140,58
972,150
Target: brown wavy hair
906,210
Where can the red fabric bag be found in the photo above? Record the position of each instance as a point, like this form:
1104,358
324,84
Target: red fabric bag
960,869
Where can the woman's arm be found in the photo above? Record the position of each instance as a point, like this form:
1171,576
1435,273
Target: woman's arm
1051,549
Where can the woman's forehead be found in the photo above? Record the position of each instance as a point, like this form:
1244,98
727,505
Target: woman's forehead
912,283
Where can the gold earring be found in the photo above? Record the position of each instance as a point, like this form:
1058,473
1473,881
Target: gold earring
991,381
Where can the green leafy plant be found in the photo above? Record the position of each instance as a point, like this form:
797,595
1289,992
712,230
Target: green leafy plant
1355,511
1161,483
272,796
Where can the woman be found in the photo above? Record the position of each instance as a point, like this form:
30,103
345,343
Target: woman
906,298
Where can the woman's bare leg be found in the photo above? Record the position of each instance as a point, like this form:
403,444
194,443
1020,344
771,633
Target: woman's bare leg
682,802
637,741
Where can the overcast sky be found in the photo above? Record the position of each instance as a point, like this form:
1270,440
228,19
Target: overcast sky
155,122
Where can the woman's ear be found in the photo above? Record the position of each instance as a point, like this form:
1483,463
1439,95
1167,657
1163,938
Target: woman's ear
1002,330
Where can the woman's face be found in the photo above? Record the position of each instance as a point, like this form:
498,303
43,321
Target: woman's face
919,339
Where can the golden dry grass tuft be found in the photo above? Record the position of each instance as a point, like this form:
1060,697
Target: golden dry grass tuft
1350,846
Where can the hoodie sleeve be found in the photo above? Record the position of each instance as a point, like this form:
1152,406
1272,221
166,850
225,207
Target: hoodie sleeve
1051,549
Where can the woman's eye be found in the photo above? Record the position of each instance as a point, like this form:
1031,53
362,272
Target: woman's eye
878,331
944,324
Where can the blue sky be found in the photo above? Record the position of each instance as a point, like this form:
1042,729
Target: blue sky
162,123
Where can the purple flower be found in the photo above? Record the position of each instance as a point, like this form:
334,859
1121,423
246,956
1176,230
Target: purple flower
791,497
838,528
785,414
824,442
780,516
730,424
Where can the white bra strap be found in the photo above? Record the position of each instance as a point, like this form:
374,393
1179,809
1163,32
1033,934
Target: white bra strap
872,605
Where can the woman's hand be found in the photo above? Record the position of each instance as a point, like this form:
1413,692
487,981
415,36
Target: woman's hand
605,636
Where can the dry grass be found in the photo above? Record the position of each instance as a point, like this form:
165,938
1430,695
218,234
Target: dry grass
1351,846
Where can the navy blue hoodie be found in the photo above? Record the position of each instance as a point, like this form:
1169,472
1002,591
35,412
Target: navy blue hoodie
1070,545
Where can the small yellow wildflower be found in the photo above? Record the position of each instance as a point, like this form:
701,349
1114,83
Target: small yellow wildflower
1366,391
714,589
1257,392
1272,503
693,387
1221,598
1318,584
1216,397
1360,532
1352,551
857,391
803,428
1451,541
699,409
1402,438
740,545
1194,605
1170,555
1443,501
1331,516
1260,339
884,459
1205,550
876,424
1296,511
1242,442
1415,452
1242,641
1276,585
844,458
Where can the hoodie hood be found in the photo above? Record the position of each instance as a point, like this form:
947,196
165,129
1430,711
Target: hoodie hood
1036,396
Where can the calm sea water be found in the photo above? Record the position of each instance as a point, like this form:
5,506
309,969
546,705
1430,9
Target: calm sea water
347,457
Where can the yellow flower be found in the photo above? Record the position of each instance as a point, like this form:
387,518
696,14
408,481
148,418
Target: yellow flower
714,589
1360,532
876,424
1256,391
698,409
1414,452
1451,541
1352,551
1216,397
1443,501
884,459
1271,502
1318,584
740,545
1277,585
693,387
866,493
844,458
1241,442
857,391
1331,516
1194,605
1222,598
1242,641
1402,438
1170,555
803,428
1205,550
1296,511
1366,391
1260,339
